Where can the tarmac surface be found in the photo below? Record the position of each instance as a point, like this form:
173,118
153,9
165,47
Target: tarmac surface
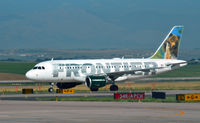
97,112
89,94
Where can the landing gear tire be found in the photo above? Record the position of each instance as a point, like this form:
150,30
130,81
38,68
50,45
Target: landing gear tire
51,87
113,88
50,90
94,89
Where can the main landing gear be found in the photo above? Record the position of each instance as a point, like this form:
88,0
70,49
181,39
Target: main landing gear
113,87
51,87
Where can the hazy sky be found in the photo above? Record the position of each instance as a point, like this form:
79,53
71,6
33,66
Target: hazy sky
96,24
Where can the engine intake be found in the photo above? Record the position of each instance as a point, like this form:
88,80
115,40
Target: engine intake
94,82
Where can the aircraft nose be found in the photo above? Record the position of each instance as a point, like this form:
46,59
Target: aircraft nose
29,75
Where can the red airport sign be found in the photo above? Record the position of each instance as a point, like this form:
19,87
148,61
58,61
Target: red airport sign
140,95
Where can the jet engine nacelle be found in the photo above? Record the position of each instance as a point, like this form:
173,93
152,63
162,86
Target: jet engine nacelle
95,82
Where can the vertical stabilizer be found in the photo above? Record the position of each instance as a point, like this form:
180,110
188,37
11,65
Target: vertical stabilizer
169,47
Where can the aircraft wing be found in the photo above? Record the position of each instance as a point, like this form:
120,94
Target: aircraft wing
115,75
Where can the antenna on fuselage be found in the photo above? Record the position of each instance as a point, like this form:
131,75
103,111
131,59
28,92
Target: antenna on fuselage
51,59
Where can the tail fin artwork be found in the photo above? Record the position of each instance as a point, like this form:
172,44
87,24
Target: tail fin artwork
169,47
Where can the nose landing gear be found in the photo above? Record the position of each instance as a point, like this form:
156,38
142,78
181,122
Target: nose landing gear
51,87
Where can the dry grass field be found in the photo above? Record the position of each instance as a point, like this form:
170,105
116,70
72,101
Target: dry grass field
122,87
11,76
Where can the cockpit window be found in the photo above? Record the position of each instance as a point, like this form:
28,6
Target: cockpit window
39,67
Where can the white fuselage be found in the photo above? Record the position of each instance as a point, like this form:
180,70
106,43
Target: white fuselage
78,70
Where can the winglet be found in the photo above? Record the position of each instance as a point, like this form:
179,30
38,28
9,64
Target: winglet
169,47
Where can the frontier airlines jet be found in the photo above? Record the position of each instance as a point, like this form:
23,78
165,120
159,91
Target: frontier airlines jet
97,73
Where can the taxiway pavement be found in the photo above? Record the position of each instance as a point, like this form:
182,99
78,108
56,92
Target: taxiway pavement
97,112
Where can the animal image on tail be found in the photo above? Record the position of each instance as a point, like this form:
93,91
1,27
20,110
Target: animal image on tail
169,48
